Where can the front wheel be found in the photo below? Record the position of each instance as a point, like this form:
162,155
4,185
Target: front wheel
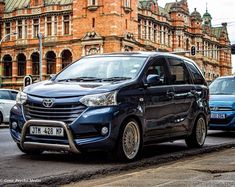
130,142
29,152
198,136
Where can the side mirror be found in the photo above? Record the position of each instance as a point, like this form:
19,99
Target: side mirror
153,80
52,76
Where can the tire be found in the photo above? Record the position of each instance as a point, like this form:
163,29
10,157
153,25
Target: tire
1,118
129,142
198,136
29,152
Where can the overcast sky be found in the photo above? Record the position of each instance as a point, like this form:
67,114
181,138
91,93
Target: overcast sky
221,11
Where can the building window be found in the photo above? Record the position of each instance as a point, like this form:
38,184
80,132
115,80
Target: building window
127,3
35,2
66,58
49,26
7,30
187,44
19,29
55,25
93,22
66,24
51,62
21,59
92,2
35,63
139,29
35,28
179,41
7,66
25,29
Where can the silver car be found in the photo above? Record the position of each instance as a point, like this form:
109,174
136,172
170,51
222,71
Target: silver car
7,101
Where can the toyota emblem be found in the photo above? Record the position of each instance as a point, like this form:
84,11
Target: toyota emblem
48,103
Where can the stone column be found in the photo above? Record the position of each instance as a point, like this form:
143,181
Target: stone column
44,69
14,71
58,64
29,68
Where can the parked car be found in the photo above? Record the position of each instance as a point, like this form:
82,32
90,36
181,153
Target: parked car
222,103
116,103
7,101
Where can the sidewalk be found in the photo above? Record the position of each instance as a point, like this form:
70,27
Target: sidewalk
208,170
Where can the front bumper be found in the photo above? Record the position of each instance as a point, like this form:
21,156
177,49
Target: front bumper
47,146
228,123
82,134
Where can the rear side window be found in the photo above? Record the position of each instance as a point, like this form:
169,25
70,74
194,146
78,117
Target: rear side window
196,75
5,95
179,72
14,94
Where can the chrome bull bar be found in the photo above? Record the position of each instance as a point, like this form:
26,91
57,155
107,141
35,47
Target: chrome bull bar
46,146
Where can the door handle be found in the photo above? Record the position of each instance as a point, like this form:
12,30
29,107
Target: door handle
193,92
170,94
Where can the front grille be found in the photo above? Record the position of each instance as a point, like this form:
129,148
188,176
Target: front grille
59,112
221,108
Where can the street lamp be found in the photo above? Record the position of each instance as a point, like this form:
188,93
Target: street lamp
9,34
3,38
40,37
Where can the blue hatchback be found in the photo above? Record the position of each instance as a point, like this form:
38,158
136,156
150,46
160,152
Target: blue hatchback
222,103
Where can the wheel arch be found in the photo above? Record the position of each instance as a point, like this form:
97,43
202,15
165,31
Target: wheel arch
196,118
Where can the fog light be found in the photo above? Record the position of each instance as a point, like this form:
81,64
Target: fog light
104,130
14,125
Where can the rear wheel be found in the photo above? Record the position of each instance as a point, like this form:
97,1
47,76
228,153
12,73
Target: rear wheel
198,136
29,152
1,118
130,143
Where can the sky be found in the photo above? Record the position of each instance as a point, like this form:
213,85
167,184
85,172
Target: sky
221,11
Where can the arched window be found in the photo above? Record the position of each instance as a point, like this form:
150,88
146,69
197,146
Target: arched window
21,60
66,58
51,62
7,66
35,63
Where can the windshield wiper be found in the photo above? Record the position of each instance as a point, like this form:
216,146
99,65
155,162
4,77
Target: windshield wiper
116,78
81,79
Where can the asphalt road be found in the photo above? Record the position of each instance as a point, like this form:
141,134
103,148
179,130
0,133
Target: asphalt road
61,168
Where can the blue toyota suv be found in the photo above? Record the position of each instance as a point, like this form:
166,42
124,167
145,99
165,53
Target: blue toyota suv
116,103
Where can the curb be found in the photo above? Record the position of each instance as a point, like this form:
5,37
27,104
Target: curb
146,162
3,126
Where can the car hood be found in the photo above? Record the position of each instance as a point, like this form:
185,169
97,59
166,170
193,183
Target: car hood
222,100
70,89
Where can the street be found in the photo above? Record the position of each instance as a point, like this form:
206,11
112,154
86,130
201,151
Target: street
63,168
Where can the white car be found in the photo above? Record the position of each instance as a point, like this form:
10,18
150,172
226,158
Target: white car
7,101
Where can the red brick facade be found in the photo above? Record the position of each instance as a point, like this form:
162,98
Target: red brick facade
72,29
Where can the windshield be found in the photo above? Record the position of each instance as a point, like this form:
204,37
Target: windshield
102,69
224,86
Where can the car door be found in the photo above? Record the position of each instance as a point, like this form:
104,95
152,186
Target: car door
159,106
6,103
184,96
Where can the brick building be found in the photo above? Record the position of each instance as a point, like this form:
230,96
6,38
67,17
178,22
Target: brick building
74,28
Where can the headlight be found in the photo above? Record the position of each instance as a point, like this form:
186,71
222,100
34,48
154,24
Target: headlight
21,98
105,99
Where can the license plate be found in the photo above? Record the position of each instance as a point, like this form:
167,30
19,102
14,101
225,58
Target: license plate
46,131
218,116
